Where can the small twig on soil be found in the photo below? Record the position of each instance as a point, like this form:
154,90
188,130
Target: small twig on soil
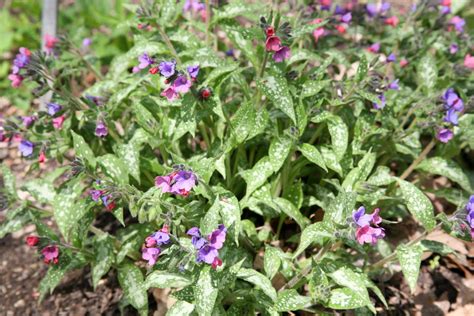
415,163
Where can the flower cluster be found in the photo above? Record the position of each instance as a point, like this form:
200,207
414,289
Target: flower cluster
21,60
151,249
366,233
273,44
101,196
453,105
50,253
179,182
195,7
208,248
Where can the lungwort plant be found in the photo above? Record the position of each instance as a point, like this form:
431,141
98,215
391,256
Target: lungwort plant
254,158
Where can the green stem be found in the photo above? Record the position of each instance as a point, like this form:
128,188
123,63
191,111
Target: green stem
208,22
415,163
168,43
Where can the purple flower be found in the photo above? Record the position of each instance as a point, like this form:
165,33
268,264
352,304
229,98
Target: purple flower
445,10
470,207
458,23
183,182
50,254
197,241
365,233
360,218
338,10
94,99
28,120
380,105
394,85
167,68
282,54
53,108
217,237
207,254
182,84
193,71
170,93
26,148
164,183
374,9
145,61
451,116
452,100
444,135
150,255
21,60
346,18
453,48
194,6
101,129
96,194
161,238
86,42
374,48
391,58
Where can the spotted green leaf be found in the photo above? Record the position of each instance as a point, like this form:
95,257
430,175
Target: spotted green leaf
418,204
448,168
164,279
314,233
82,149
275,87
131,280
9,181
290,210
205,293
180,308
427,72
104,257
114,168
311,88
410,260
290,300
312,154
259,280
271,261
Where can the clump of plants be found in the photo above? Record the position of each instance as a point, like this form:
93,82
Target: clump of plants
253,158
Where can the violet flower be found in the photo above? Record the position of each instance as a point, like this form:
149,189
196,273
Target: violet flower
101,129
458,23
53,108
394,85
381,104
451,117
170,93
167,68
374,9
150,255
374,48
28,120
470,214
96,194
391,58
346,18
193,71
453,48
178,182
26,148
86,42
145,61
207,249
366,233
282,54
452,100
444,135
181,84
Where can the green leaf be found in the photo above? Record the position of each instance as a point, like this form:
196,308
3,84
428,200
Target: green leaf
340,208
330,160
247,122
290,210
314,233
448,168
369,96
279,150
82,149
259,280
43,191
164,279
275,87
67,212
229,208
381,176
358,295
311,88
169,11
338,131
418,204
130,155
104,257
14,222
427,72
436,246
212,218
360,173
271,261
235,34
290,300
180,308
410,260
131,281
312,154
9,181
114,168
205,292
362,69
145,119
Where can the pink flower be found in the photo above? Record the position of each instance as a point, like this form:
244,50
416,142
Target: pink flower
340,28
273,43
393,21
58,121
403,63
42,157
469,61
50,42
318,33
150,255
181,84
50,254
16,80
369,235
170,93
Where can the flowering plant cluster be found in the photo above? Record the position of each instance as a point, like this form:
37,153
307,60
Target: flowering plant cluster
231,153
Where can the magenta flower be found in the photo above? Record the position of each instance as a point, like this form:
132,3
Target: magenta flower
365,233
369,235
374,48
50,254
273,43
58,121
16,80
170,93
101,129
96,194
282,54
26,148
150,255
458,23
28,120
469,62
193,6
444,135
453,48
217,237
394,85
178,182
207,250
50,43
86,42
164,183
181,84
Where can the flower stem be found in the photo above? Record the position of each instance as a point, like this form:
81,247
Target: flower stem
168,43
208,22
415,163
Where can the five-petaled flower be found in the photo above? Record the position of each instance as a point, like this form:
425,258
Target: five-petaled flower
178,182
208,248
366,233
50,254
151,249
